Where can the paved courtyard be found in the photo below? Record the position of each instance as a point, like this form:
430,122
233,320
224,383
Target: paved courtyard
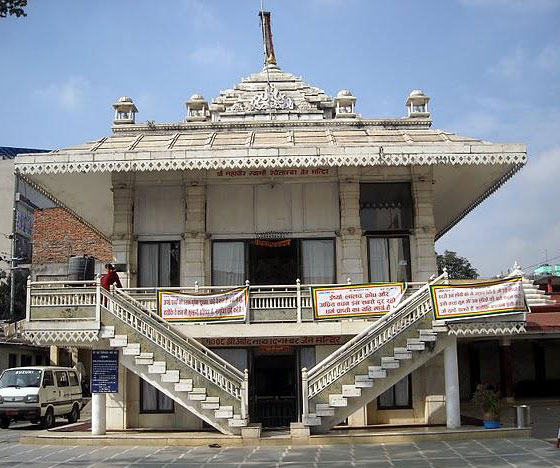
526,453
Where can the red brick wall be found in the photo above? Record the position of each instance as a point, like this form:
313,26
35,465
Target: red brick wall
57,235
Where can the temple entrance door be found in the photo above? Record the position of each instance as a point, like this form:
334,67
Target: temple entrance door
273,262
273,389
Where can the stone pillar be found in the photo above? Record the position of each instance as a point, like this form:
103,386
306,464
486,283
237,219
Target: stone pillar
506,369
194,237
423,251
351,260
124,245
452,399
98,414
53,355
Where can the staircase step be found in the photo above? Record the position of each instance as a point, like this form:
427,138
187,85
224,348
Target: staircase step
107,331
145,358
171,376
211,403
402,353
237,422
132,349
184,385
351,391
118,341
427,335
337,401
198,393
389,363
226,413
363,381
414,344
312,420
377,372
323,409
158,367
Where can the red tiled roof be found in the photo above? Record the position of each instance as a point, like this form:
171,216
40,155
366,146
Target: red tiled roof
546,321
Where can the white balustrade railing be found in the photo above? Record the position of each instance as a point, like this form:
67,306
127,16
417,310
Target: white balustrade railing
186,350
348,356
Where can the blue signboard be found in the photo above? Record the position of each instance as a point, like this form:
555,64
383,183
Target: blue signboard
104,371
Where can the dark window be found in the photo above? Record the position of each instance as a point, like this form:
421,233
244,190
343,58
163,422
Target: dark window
12,360
38,360
73,379
26,360
158,264
386,207
61,378
48,380
153,401
399,396
389,258
282,261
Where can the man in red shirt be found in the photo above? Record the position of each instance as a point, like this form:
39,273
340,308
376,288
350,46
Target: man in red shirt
110,278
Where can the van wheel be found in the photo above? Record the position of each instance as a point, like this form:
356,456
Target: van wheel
74,414
47,421
4,422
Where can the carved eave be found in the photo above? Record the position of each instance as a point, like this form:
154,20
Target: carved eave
474,329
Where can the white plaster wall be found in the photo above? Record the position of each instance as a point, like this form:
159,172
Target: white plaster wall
7,183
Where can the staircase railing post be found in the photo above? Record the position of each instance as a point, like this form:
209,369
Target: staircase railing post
248,317
28,299
98,299
298,300
196,287
304,395
245,395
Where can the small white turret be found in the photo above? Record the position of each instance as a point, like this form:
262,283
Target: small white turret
417,104
125,111
345,105
197,109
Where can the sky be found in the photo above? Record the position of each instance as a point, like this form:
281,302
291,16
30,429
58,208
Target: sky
491,68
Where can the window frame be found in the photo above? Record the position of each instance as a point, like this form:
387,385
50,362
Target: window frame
299,255
50,383
159,242
61,383
408,406
390,235
407,230
157,410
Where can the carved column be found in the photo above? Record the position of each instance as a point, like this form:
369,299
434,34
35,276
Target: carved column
350,240
423,250
124,244
194,237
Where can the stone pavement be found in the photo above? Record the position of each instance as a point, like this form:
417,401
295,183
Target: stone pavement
495,453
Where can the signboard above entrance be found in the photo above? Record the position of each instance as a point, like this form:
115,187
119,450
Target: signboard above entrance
363,300
228,305
473,300
258,173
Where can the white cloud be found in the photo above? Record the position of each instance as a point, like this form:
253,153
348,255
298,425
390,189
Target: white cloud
69,95
201,16
512,66
519,5
549,58
213,54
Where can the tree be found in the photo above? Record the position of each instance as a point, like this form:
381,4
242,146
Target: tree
457,267
12,7
20,276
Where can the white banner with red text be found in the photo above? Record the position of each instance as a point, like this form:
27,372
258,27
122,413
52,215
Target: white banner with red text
223,306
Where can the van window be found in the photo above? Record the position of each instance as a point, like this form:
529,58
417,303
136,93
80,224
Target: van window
61,378
73,379
48,380
20,378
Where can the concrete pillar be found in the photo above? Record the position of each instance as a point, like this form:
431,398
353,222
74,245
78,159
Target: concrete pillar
452,399
98,414
194,238
124,245
53,355
506,369
351,262
423,248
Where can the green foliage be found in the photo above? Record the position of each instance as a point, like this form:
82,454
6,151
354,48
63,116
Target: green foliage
457,267
488,400
12,7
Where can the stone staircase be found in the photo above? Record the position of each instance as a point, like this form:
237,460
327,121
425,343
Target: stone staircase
181,368
372,362
534,295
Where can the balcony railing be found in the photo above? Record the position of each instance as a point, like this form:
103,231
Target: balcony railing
80,300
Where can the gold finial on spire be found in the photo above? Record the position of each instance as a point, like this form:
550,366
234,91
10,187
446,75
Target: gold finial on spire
267,37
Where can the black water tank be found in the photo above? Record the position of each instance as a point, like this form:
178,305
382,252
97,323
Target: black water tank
81,268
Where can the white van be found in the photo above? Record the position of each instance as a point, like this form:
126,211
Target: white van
39,395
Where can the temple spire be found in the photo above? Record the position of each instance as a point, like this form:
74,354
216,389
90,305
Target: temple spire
267,37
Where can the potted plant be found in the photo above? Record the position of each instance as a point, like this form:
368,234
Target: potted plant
488,400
